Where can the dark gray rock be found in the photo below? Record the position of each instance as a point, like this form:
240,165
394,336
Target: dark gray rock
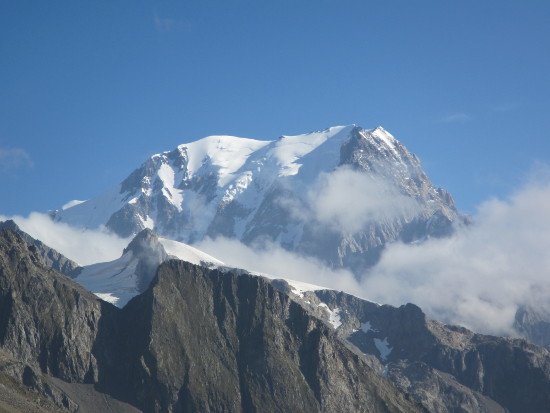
206,340
196,340
533,324
49,325
446,368
238,344
50,257
439,392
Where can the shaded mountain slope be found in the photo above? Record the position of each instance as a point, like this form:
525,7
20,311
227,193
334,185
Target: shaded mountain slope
196,339
50,257
446,368
200,339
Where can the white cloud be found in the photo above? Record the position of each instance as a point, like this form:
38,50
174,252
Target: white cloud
163,25
349,200
478,277
455,117
504,106
82,246
14,158
278,262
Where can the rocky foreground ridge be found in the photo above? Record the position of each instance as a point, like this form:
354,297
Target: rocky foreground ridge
200,339
195,340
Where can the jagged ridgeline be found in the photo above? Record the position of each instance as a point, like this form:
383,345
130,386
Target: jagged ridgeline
201,339
284,191
197,340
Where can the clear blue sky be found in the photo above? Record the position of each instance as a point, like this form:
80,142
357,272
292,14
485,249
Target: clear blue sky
90,89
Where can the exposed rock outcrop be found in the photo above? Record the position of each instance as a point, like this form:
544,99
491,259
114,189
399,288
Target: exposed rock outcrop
446,368
199,339
195,340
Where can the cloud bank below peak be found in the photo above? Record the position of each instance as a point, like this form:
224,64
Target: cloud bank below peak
480,275
82,246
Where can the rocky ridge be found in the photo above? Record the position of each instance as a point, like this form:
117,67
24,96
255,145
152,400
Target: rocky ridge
49,256
195,340
445,368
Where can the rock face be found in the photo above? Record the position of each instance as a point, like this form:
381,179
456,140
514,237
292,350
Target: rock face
533,324
445,368
195,340
238,344
278,191
48,324
49,256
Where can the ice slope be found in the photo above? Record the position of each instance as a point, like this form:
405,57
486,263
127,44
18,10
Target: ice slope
119,280
188,253
234,163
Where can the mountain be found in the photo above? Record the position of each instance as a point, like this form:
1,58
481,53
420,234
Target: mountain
533,323
119,280
445,368
49,256
205,339
286,191
195,340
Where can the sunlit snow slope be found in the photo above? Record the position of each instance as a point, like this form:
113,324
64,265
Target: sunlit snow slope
290,191
120,280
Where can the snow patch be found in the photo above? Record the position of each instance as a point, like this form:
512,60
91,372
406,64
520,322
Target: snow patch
289,149
71,204
299,287
228,153
110,298
187,253
148,222
112,281
167,175
383,347
385,137
333,315
366,327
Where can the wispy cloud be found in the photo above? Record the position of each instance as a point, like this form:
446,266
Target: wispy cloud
456,117
11,158
349,200
163,24
504,106
476,278
82,246
480,276
278,262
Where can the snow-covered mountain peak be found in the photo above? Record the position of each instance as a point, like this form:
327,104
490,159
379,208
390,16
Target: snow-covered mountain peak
119,280
379,136
147,243
228,153
288,150
254,190
185,252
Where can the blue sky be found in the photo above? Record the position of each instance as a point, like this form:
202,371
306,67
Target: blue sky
89,90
